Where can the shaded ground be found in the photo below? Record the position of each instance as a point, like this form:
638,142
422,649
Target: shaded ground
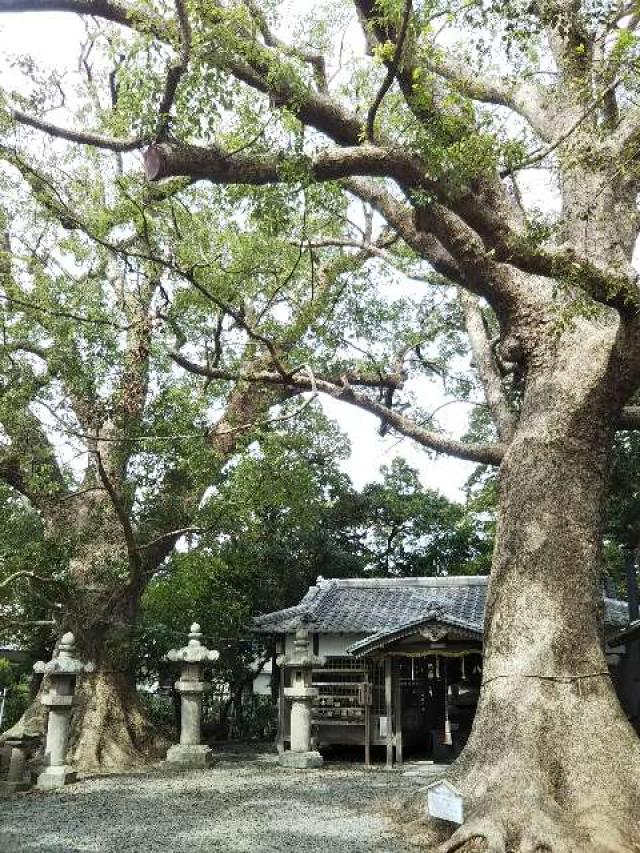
245,804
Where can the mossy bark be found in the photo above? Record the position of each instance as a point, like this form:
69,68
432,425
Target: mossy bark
552,763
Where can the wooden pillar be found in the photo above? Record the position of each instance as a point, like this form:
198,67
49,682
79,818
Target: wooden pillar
388,696
397,711
446,738
281,714
367,716
275,672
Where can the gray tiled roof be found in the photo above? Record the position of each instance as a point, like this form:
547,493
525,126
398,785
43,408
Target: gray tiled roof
630,632
377,605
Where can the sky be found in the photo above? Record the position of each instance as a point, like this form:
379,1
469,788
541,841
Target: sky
53,39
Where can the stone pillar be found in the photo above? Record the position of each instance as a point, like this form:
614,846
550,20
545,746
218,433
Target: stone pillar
190,752
301,693
61,672
21,749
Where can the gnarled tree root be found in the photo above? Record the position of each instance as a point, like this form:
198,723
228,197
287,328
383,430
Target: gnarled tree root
512,806
498,833
525,827
541,835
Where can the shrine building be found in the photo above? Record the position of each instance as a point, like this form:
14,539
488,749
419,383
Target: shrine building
402,660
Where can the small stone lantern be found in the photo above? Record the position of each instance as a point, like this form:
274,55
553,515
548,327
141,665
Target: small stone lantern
21,748
61,671
302,693
190,752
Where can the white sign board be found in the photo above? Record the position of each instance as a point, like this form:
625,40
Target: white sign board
445,802
383,726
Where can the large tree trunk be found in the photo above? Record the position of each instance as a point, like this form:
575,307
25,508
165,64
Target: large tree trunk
552,764
109,730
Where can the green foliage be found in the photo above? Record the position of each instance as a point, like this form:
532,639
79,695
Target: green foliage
286,514
269,537
405,530
16,683
7,676
160,711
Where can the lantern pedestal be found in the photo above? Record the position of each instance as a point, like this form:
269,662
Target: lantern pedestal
196,755
301,760
56,777
302,695
19,774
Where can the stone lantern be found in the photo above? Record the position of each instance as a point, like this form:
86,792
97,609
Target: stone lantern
190,752
301,693
21,748
61,672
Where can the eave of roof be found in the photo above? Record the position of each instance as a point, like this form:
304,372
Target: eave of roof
383,639
13,654
631,632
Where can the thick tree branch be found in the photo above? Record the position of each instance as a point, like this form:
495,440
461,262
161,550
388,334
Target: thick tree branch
121,512
23,573
446,243
116,11
97,140
315,60
489,454
175,72
270,377
560,139
487,368
173,536
476,235
220,167
479,208
402,219
521,96
392,70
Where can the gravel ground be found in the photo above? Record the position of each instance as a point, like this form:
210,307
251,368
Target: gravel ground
245,804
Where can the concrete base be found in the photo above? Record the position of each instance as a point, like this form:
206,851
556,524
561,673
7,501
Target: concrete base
56,777
8,788
198,755
300,760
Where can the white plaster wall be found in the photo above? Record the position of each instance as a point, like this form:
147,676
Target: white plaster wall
334,645
262,684
331,645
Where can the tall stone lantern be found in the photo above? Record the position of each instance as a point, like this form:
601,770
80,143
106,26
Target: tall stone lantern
62,671
301,693
191,686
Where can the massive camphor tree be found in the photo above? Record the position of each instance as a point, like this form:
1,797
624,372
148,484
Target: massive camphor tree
435,115
110,453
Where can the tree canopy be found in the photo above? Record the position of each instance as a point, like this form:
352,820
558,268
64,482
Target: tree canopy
276,181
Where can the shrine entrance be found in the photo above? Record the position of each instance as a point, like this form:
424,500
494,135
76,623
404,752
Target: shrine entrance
412,692
435,705
432,674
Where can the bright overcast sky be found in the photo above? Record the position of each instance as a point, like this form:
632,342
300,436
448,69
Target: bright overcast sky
53,39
